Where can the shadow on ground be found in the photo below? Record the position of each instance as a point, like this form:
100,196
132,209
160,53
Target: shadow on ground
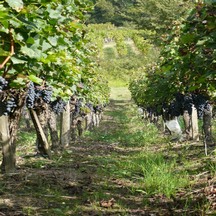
73,183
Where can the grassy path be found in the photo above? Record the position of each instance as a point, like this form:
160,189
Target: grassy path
124,167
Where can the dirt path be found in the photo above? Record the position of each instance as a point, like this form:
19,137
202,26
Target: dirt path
88,179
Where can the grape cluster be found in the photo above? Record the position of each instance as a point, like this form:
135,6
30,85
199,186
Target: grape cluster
149,110
58,106
166,111
175,108
31,95
3,83
77,107
46,95
188,103
35,92
9,106
180,103
200,103
185,102
152,111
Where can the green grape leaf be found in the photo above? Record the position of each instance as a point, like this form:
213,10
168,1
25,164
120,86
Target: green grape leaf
35,79
45,46
3,14
17,61
52,40
15,4
19,81
28,51
33,52
15,22
3,52
30,40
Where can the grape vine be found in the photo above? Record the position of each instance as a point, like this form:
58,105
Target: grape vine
185,67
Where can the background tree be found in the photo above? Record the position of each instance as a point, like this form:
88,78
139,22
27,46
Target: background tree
140,14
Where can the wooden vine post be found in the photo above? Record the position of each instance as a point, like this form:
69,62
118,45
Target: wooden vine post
194,124
9,161
53,130
65,127
40,133
207,125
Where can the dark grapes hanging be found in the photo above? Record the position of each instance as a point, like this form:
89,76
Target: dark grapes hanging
35,92
31,95
3,83
201,103
58,105
10,105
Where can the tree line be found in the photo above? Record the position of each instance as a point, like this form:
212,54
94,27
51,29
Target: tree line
156,16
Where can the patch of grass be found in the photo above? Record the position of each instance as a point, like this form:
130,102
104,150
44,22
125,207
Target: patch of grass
109,53
210,165
26,143
129,129
26,137
130,139
150,173
114,83
37,163
120,93
141,137
156,175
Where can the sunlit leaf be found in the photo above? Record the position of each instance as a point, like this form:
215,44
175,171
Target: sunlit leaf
52,40
15,4
17,61
35,79
3,52
28,51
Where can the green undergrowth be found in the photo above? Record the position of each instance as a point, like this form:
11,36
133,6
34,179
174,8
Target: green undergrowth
147,173
129,130
26,142
140,162
120,83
